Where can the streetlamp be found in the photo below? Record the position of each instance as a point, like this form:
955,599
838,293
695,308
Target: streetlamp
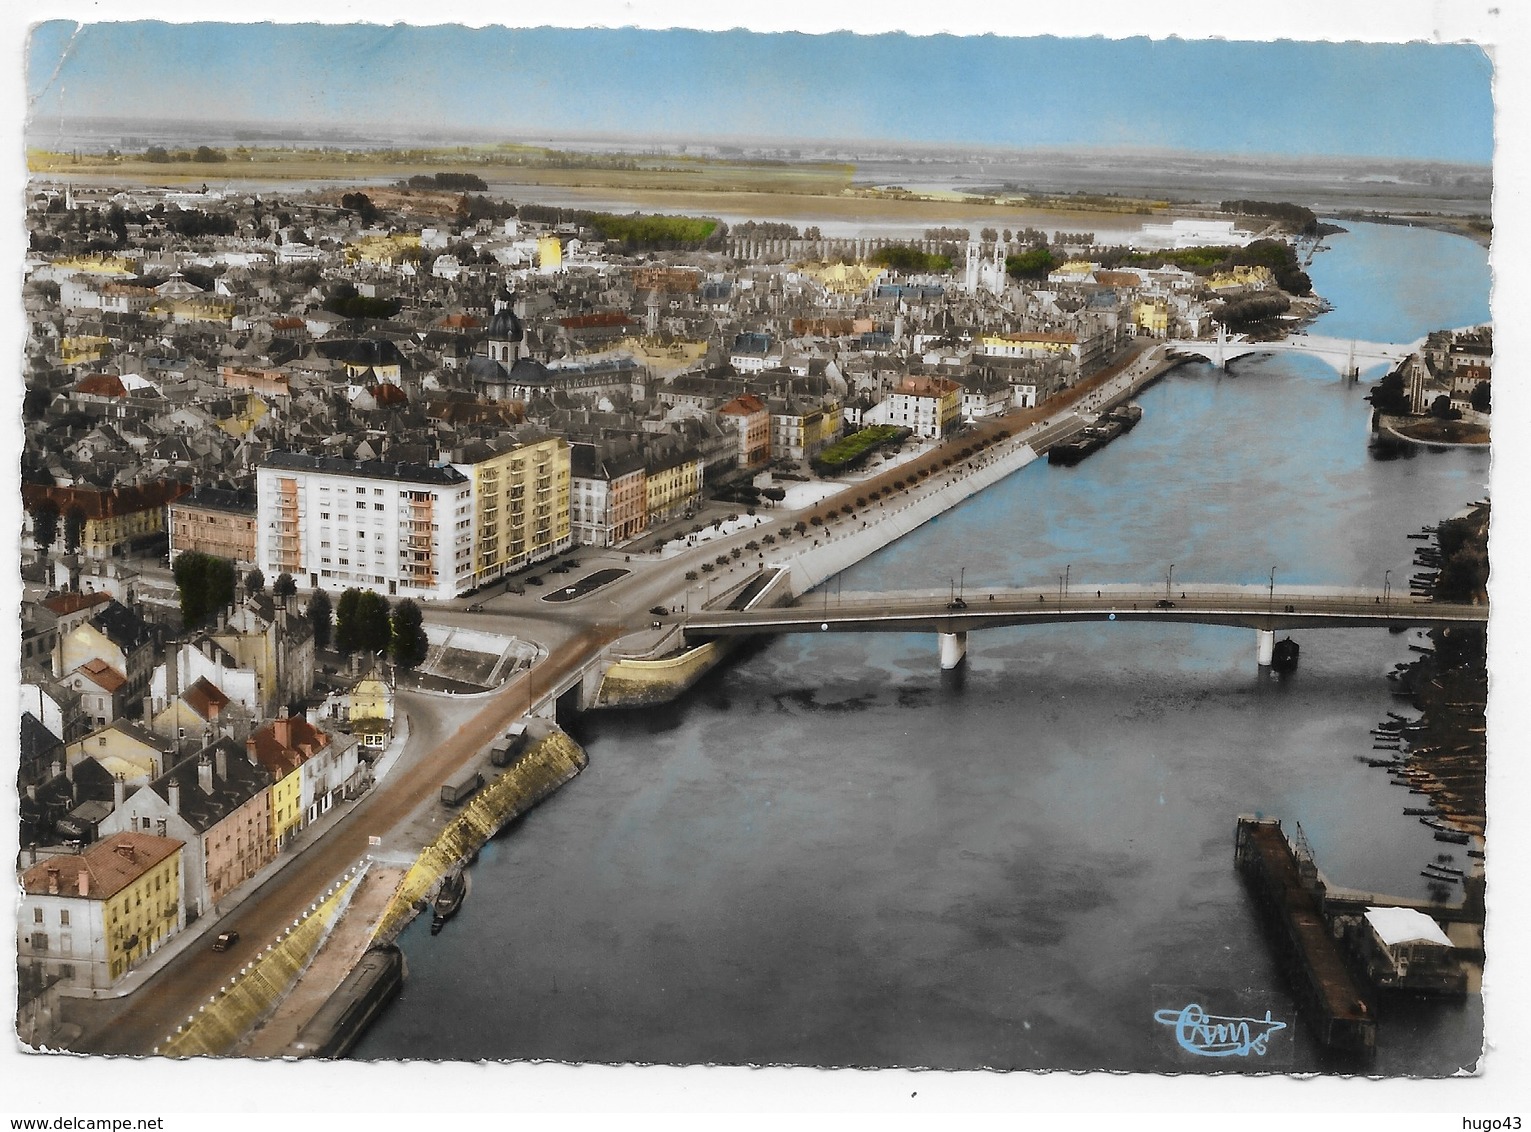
1067,567
962,578
1387,576
1273,587
1169,580
1060,587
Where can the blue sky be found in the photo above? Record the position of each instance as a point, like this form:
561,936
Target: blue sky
1411,100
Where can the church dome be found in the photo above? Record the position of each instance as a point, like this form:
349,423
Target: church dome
506,327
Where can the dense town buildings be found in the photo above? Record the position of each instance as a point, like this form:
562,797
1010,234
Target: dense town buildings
422,403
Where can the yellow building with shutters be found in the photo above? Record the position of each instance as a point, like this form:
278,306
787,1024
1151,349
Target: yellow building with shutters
1152,318
89,918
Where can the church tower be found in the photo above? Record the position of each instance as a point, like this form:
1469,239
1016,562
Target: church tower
507,334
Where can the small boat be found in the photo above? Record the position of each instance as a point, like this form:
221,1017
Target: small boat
449,898
1417,811
1451,836
1438,877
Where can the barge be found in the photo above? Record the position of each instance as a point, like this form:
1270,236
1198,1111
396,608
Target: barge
1333,1007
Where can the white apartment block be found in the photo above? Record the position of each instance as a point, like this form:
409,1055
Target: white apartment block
403,530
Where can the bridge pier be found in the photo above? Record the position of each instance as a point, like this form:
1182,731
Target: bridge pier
954,649
1265,646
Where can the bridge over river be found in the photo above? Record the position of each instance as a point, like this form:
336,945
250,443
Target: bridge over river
1348,357
952,617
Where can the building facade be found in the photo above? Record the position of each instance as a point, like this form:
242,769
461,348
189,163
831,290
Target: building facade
519,502
214,521
405,530
89,918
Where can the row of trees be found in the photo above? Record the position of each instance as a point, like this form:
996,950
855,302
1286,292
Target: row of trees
45,526
364,623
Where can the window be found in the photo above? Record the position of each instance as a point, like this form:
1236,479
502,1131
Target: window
37,915
63,917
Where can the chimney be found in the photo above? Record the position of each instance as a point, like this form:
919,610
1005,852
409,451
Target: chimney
84,882
250,748
172,670
205,774
119,792
282,728
124,850
221,760
148,710
173,796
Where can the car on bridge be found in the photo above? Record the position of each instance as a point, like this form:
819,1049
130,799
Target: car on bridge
956,603
1164,603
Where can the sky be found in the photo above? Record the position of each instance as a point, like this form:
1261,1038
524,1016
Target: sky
1411,100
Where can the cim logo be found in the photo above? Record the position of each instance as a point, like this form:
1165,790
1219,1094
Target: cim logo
1215,1035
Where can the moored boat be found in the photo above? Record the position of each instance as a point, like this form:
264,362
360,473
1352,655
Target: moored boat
449,898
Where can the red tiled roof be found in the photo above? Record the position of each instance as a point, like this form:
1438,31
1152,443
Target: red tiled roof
205,698
387,393
103,675
743,405
65,604
102,385
98,503
107,867
285,744
928,386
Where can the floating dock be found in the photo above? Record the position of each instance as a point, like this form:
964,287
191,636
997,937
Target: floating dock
1285,888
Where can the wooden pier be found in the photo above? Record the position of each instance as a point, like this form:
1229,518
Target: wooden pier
1285,888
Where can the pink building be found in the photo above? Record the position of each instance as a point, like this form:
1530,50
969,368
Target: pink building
749,417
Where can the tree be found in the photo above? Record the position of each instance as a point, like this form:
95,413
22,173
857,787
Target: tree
206,584
374,626
74,529
409,644
318,617
45,516
1389,396
1480,397
255,581
1441,409
345,621
284,586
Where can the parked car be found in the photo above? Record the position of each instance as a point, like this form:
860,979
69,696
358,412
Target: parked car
225,940
534,580
659,611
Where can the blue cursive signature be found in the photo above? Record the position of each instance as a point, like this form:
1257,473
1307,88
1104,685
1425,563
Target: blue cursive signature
1211,1035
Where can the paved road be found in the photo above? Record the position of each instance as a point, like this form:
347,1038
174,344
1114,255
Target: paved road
573,635
142,1021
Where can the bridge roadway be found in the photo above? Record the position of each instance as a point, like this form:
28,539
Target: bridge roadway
1250,607
1340,353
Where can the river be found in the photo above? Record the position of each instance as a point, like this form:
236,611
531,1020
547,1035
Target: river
833,854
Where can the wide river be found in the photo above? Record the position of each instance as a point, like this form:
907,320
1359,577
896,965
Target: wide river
832,854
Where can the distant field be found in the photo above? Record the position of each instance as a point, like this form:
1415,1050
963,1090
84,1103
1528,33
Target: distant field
667,176
702,186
